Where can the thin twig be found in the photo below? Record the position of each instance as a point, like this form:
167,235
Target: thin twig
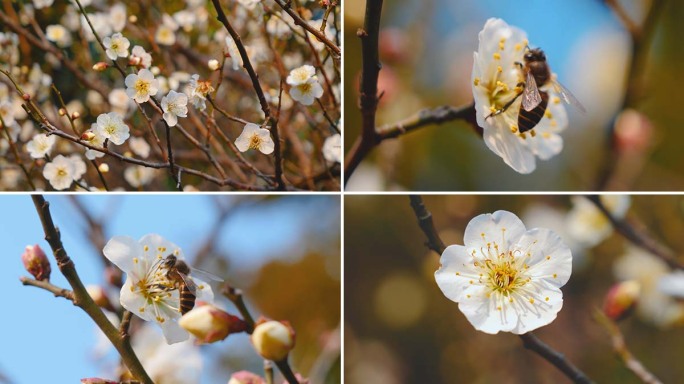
638,237
425,223
298,21
46,285
81,298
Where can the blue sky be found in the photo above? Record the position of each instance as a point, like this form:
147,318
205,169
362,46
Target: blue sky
46,339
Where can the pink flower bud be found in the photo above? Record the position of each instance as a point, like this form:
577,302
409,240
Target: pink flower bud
210,324
99,67
75,115
273,340
245,377
633,132
621,299
88,135
36,263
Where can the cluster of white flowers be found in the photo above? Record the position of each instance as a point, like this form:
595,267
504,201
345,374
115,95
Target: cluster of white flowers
305,85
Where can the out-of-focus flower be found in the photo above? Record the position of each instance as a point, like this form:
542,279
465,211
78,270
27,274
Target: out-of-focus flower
505,277
249,4
120,102
137,175
117,17
148,292
167,364
58,34
40,145
198,91
588,225
116,46
186,19
111,126
210,324
213,64
245,377
332,148
139,146
654,305
234,53
495,80
633,132
273,340
621,299
255,137
100,297
142,58
276,27
59,172
165,35
672,284
141,86
305,85
175,105
7,113
39,4
36,262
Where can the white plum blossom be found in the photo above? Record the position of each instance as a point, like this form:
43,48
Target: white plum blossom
79,166
120,102
332,148
138,53
141,86
164,363
7,113
137,175
198,91
506,278
111,126
116,46
42,3
588,225
305,85
60,172
255,137
496,77
96,140
117,17
175,105
165,35
40,145
58,34
249,4
148,292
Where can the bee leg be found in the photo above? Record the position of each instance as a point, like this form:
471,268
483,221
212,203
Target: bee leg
506,106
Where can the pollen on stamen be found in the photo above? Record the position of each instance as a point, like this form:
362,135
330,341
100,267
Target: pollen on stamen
518,47
468,296
492,109
476,81
135,260
555,275
146,248
471,282
497,56
201,286
553,123
533,133
514,129
548,114
531,300
546,135
556,100
141,309
499,69
546,299
522,135
548,257
498,308
458,273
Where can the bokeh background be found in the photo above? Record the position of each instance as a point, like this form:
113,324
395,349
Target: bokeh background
283,251
426,48
400,328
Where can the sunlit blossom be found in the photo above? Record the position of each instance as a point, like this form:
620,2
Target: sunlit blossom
111,126
137,175
40,145
332,148
138,54
305,85
255,137
141,86
116,46
58,34
174,106
588,225
506,277
59,172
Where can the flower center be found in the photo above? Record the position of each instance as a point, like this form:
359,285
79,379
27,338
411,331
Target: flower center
111,129
115,46
61,172
503,275
305,88
255,142
142,86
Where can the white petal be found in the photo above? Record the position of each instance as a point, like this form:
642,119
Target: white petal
173,333
511,149
543,311
134,302
121,250
551,259
455,259
502,227
159,247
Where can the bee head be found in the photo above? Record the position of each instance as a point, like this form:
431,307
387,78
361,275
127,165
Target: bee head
534,55
170,261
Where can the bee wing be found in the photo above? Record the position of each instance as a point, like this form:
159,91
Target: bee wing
567,96
192,287
204,275
531,97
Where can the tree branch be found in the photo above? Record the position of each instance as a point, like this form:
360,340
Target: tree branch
299,21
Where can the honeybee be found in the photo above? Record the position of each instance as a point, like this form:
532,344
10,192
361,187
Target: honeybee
534,102
177,272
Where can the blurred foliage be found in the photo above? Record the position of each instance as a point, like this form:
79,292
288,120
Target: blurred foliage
400,328
426,51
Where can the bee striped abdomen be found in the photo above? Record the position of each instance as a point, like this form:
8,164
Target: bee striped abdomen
529,119
187,299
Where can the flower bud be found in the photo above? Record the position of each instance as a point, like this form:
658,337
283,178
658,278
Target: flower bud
621,299
245,377
75,115
99,67
210,324
104,167
213,64
62,112
273,340
633,132
87,135
134,61
132,19
36,263
26,97
99,296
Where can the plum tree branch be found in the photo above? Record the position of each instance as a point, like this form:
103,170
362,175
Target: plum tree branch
81,298
530,341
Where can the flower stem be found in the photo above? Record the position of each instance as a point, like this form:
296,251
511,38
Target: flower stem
533,343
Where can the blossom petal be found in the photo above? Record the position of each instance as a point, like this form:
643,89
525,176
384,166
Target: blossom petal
135,302
511,149
121,250
493,227
550,260
456,273
174,333
159,247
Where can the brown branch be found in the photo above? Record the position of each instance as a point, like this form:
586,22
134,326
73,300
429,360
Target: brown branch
530,341
299,21
640,238
620,348
46,285
81,298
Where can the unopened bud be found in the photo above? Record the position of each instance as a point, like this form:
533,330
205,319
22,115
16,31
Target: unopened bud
88,135
75,115
36,263
621,299
134,60
245,377
104,167
99,296
273,340
155,70
26,97
210,324
100,66
633,131
213,64
132,19
62,112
